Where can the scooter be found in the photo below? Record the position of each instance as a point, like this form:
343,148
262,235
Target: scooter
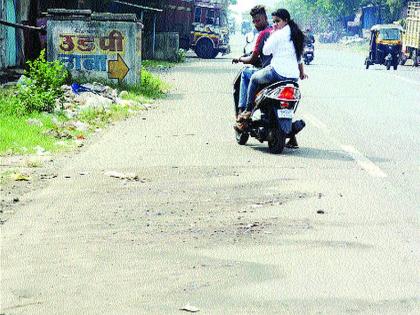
308,54
271,119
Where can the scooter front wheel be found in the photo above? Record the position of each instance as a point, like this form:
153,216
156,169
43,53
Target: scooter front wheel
276,141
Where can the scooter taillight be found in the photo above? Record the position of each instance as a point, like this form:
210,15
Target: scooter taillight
287,93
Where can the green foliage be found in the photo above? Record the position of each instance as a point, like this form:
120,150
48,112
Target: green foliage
157,64
151,86
99,117
23,128
10,105
19,137
324,14
42,86
181,55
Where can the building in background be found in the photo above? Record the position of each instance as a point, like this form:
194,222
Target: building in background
200,24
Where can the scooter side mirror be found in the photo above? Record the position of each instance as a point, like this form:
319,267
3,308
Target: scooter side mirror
249,37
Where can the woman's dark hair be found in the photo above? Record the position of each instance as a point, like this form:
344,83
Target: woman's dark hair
258,9
296,35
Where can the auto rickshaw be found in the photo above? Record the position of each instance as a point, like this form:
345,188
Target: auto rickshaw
385,45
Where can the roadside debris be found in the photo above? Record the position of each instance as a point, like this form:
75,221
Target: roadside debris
33,162
19,177
127,176
266,203
190,308
78,98
251,228
48,176
251,225
40,150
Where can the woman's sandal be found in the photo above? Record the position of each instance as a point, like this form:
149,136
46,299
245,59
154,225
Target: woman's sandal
244,116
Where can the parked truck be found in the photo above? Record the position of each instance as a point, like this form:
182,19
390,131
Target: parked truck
210,29
411,37
202,25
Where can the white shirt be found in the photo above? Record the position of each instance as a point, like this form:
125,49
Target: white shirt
280,45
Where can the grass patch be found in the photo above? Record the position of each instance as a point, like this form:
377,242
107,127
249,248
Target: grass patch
9,104
23,131
150,88
133,96
157,64
20,137
99,118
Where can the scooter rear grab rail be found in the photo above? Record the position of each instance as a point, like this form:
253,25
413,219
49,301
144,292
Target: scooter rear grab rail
272,91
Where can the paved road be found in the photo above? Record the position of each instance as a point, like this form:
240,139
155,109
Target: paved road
233,229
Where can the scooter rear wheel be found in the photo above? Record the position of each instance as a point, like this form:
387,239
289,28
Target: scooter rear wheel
276,141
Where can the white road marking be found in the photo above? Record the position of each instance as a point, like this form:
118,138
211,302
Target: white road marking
406,80
360,159
315,121
364,162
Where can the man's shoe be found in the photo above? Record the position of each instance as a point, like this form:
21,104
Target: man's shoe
240,127
292,144
244,116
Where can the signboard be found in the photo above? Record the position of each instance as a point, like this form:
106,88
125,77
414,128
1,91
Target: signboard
108,50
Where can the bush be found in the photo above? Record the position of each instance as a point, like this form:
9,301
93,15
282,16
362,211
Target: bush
151,85
41,86
9,104
181,55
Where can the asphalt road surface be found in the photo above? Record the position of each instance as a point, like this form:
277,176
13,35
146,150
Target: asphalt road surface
330,228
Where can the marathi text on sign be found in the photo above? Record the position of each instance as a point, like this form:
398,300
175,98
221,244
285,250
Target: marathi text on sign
113,42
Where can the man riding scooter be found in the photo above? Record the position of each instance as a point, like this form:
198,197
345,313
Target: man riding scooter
285,43
257,59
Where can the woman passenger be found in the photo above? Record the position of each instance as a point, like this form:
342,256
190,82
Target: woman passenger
286,44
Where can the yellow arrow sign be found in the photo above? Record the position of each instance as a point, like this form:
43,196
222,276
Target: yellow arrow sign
117,69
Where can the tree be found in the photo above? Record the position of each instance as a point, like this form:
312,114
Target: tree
322,14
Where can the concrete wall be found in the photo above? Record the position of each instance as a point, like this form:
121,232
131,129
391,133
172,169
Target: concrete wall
167,46
104,48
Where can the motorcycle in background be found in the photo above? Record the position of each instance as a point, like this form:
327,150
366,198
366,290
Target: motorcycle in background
308,53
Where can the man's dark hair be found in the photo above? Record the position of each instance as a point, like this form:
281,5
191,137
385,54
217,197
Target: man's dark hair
258,9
